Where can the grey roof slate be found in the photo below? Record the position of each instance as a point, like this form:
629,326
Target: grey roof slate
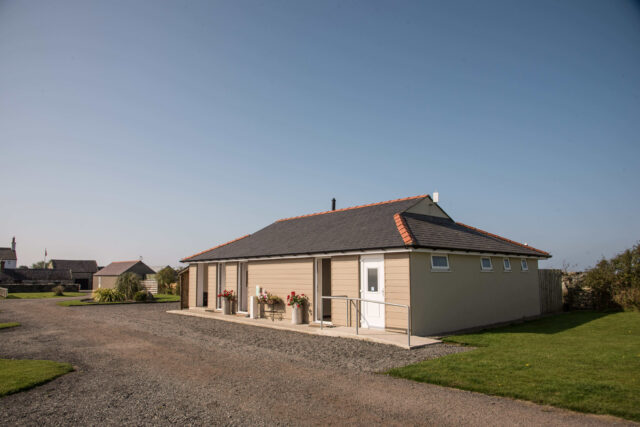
119,267
359,228
7,254
77,266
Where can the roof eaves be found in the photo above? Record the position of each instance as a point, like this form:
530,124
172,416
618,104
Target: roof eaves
215,247
547,254
407,238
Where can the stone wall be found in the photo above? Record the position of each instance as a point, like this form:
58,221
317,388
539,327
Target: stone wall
39,287
575,296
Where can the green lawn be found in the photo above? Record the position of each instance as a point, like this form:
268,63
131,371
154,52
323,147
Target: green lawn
158,298
38,295
9,325
19,375
584,361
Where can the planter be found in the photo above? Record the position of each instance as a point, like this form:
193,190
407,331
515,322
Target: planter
227,304
297,315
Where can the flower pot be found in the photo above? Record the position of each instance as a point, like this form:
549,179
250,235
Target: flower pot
297,315
226,306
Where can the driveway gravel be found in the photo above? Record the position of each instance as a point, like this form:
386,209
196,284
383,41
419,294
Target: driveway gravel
138,365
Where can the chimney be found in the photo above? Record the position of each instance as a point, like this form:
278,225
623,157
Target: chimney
13,243
435,196
333,204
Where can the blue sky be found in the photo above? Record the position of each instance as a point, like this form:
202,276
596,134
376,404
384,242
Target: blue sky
159,129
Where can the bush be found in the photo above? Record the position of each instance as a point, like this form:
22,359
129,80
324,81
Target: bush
166,277
142,296
616,282
58,291
108,295
128,284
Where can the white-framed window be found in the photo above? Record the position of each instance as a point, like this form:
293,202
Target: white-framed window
506,262
485,263
439,263
524,265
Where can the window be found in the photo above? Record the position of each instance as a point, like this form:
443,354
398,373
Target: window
439,262
485,263
507,264
372,279
524,265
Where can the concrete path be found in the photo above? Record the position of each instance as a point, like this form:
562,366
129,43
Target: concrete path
138,365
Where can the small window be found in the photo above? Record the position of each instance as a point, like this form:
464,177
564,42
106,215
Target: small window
439,262
507,264
485,262
525,266
372,279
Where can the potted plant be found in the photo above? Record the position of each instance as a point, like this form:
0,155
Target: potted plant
227,301
297,302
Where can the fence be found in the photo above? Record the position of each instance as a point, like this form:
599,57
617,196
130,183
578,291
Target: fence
550,288
151,285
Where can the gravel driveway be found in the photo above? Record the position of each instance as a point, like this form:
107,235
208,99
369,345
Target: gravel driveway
138,365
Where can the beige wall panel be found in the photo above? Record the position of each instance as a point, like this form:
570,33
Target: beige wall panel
193,271
107,282
280,277
211,282
345,280
466,297
231,277
396,289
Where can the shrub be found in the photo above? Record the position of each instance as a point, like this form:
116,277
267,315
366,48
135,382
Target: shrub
108,295
58,291
128,284
142,296
165,278
616,282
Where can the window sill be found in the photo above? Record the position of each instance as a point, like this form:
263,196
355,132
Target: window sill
440,270
486,271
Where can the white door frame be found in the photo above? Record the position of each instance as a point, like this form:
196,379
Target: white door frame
372,315
243,278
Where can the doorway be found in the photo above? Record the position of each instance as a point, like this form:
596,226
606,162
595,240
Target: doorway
322,288
220,278
243,288
372,315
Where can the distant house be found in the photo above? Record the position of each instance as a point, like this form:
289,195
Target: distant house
82,271
8,257
106,277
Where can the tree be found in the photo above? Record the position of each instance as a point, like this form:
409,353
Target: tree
128,284
39,264
165,278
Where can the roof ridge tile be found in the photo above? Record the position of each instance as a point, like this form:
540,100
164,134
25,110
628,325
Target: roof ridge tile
355,207
403,229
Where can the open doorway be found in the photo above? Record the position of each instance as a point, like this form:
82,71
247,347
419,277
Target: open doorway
323,288
243,288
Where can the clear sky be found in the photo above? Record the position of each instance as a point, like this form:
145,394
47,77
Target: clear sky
159,129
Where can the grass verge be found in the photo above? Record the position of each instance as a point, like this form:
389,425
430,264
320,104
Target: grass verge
20,375
9,325
584,361
38,295
158,298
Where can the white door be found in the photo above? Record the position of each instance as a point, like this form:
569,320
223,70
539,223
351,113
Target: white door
372,288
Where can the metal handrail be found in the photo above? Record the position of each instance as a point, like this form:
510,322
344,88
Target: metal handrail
360,300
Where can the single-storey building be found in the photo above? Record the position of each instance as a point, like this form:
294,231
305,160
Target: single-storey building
407,251
82,271
107,276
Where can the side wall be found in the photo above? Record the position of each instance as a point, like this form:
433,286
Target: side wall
465,297
280,277
397,290
211,285
193,269
345,281
104,282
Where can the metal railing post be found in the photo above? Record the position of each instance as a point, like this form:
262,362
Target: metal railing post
321,312
348,317
357,315
409,326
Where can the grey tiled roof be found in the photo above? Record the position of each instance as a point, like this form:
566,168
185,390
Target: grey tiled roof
360,228
118,267
77,266
7,254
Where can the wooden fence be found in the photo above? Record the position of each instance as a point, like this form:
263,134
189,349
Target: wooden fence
550,288
151,285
